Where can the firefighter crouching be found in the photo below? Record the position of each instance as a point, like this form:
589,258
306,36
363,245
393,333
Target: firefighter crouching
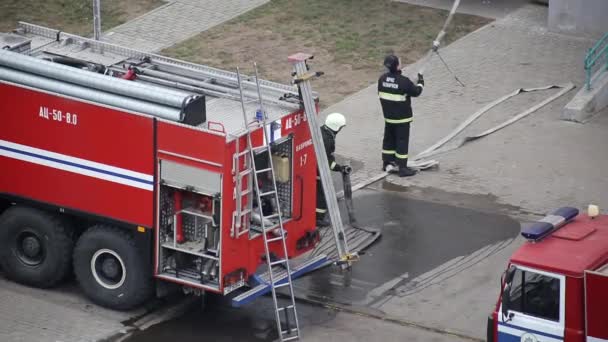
333,124
395,92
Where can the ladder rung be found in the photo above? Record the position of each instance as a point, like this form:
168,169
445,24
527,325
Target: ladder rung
260,148
285,307
271,216
263,170
291,338
278,287
268,193
274,239
242,153
278,262
271,228
244,173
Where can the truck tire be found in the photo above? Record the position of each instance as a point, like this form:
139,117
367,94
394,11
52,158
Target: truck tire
111,270
35,246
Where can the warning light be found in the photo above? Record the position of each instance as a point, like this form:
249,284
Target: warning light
549,223
593,211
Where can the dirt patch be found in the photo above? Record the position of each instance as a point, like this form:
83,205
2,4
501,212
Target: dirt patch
73,16
348,38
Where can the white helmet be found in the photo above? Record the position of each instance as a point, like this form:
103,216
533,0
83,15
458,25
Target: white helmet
335,121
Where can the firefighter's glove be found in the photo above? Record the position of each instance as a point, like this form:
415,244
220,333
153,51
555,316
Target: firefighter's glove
346,169
420,79
435,45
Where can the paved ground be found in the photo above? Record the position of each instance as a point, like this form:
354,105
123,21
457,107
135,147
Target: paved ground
31,315
176,21
532,166
397,267
485,8
63,315
409,227
538,163
255,322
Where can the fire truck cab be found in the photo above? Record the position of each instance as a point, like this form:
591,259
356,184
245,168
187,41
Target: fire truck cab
556,284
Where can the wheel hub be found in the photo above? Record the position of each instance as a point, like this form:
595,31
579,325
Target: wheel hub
29,248
108,269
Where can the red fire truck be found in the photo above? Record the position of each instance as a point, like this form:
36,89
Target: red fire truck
131,169
556,286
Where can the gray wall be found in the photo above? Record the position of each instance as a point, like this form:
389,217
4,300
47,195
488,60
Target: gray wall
587,18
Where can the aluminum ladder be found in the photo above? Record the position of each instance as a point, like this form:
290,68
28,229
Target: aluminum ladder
288,330
302,80
240,194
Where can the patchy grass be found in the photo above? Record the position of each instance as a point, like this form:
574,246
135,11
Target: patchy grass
349,39
73,16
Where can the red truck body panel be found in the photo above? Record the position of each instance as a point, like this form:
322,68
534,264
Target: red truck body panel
100,163
596,304
580,245
103,162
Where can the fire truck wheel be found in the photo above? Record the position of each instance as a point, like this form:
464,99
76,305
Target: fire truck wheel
35,246
110,269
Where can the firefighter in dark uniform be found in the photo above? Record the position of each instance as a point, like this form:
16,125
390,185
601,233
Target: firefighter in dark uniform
395,92
333,124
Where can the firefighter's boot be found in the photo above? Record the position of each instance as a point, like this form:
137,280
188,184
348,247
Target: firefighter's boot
405,171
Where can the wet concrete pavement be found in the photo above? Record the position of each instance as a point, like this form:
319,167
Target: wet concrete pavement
255,323
417,237
220,322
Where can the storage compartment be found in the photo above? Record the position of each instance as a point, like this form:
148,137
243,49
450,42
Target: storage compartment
189,236
282,162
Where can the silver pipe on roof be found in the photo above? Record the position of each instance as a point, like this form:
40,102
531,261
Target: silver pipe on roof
205,71
192,82
229,77
109,84
89,94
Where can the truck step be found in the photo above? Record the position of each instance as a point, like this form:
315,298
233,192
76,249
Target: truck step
264,283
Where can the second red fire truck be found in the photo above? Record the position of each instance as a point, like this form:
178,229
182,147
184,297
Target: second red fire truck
556,286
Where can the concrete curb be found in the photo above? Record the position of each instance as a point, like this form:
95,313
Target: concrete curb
587,103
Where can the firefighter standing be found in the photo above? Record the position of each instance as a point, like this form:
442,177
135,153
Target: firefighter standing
333,124
395,92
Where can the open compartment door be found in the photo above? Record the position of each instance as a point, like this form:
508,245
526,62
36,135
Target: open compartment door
596,304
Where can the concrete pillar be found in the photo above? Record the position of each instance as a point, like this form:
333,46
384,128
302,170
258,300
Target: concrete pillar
588,18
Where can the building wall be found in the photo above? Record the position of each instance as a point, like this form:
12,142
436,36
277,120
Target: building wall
579,17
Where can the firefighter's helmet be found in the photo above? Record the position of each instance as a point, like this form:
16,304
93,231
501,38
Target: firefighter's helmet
335,121
391,62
